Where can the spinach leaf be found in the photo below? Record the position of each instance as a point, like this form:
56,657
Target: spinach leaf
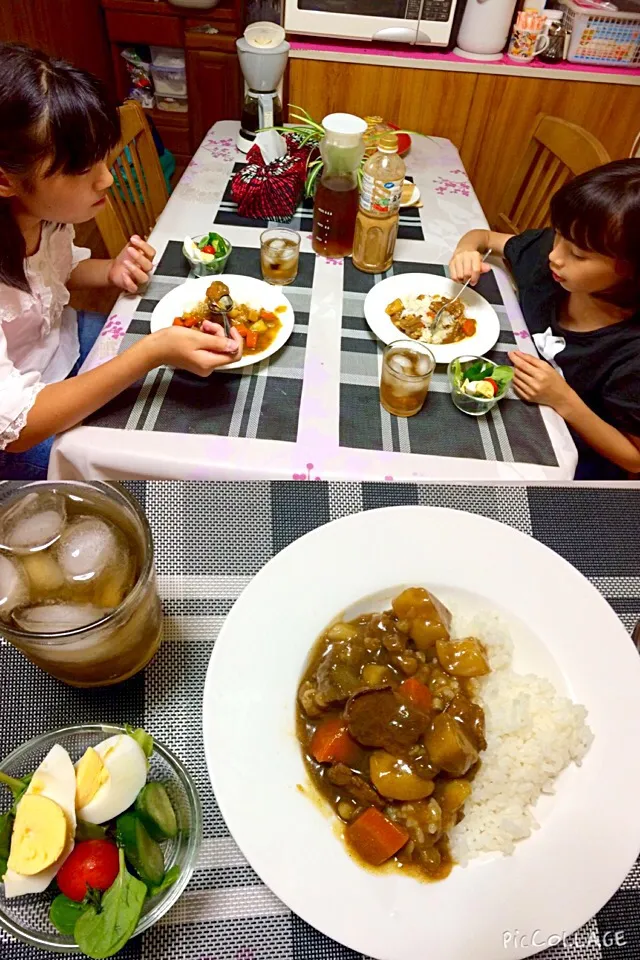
503,375
6,826
89,831
102,934
169,879
478,370
64,913
144,739
17,787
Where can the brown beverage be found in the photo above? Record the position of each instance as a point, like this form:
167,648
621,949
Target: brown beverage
279,255
406,374
77,586
335,211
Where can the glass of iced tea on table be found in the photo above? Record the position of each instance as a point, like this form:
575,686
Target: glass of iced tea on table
407,366
279,255
78,593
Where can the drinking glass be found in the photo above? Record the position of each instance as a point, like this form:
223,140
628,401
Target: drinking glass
279,255
407,366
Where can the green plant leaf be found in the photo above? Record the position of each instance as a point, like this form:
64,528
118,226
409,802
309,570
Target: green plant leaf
89,831
503,375
6,828
169,879
144,739
64,914
17,787
102,934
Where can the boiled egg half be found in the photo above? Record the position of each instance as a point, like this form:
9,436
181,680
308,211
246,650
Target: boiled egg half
109,777
44,827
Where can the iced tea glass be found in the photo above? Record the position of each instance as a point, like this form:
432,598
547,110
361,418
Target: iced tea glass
279,255
407,366
120,644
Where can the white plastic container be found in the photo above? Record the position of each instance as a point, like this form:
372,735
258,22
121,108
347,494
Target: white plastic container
167,57
602,36
172,104
169,81
484,29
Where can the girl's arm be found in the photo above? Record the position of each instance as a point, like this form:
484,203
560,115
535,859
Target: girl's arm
59,406
466,262
536,380
127,271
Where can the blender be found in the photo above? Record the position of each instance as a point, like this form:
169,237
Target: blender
263,53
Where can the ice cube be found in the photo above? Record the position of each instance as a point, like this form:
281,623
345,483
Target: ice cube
34,523
400,363
58,617
86,548
422,365
276,246
13,586
44,572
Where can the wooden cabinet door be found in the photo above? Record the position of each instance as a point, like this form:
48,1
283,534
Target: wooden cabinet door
215,90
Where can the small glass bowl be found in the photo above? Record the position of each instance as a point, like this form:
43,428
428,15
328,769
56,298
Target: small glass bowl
474,406
216,266
27,918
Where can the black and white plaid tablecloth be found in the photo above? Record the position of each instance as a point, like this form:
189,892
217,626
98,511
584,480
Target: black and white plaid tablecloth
261,401
227,215
204,559
512,431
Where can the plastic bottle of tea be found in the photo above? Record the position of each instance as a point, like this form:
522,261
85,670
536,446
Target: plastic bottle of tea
379,213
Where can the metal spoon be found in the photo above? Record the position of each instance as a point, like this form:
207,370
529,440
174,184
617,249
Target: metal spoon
222,307
461,291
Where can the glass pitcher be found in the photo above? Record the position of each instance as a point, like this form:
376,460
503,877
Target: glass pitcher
336,201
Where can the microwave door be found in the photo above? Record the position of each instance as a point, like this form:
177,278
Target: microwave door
388,20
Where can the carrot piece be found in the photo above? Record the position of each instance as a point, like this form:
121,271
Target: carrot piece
267,316
331,742
178,322
242,330
252,340
469,327
374,837
416,693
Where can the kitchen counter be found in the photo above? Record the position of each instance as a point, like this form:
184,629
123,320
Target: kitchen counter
419,59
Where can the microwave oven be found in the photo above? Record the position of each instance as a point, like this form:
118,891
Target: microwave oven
428,22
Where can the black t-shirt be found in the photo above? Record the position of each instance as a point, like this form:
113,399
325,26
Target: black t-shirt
602,366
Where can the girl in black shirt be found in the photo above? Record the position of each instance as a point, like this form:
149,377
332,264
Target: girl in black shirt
579,289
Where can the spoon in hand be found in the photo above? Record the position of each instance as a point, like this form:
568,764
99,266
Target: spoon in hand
457,297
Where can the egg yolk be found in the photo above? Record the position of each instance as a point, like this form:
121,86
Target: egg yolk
91,774
39,835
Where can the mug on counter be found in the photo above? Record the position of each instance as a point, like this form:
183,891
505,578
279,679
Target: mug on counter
526,44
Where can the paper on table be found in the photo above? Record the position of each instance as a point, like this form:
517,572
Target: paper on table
271,145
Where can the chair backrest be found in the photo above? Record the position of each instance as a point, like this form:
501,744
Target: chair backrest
557,152
139,192
635,149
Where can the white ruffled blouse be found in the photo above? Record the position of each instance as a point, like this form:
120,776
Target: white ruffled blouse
38,330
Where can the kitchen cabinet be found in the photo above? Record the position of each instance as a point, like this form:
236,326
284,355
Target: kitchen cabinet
46,25
214,78
488,116
214,85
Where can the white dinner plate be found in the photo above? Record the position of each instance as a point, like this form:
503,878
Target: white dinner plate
403,284
561,627
249,290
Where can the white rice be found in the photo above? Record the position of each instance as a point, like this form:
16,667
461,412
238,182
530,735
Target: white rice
532,734
413,307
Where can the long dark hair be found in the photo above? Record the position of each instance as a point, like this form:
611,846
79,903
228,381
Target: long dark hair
50,113
600,211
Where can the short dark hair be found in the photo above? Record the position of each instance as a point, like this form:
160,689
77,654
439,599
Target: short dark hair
600,211
50,112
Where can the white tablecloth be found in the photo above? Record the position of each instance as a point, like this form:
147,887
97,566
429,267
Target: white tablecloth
450,209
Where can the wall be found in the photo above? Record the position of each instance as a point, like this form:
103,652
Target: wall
488,117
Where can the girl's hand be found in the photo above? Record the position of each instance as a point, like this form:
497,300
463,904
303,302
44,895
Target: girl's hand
131,268
465,264
197,351
537,381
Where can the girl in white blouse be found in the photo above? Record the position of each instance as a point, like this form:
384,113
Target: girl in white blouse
56,129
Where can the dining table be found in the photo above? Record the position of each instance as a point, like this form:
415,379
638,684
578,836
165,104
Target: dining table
204,559
313,409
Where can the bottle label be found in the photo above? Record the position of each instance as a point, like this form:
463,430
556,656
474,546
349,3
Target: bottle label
380,197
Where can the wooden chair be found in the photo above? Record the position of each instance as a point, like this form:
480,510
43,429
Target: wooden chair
558,151
139,192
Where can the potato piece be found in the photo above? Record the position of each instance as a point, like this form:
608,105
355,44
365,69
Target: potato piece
394,778
395,307
342,631
452,794
462,658
376,675
428,619
448,746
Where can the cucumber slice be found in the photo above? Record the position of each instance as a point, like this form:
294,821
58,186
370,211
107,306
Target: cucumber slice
141,850
154,808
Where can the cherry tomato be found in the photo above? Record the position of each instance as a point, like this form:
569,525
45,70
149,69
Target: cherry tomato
91,863
209,249
493,384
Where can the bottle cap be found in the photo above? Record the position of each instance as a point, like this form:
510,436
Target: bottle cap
388,143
